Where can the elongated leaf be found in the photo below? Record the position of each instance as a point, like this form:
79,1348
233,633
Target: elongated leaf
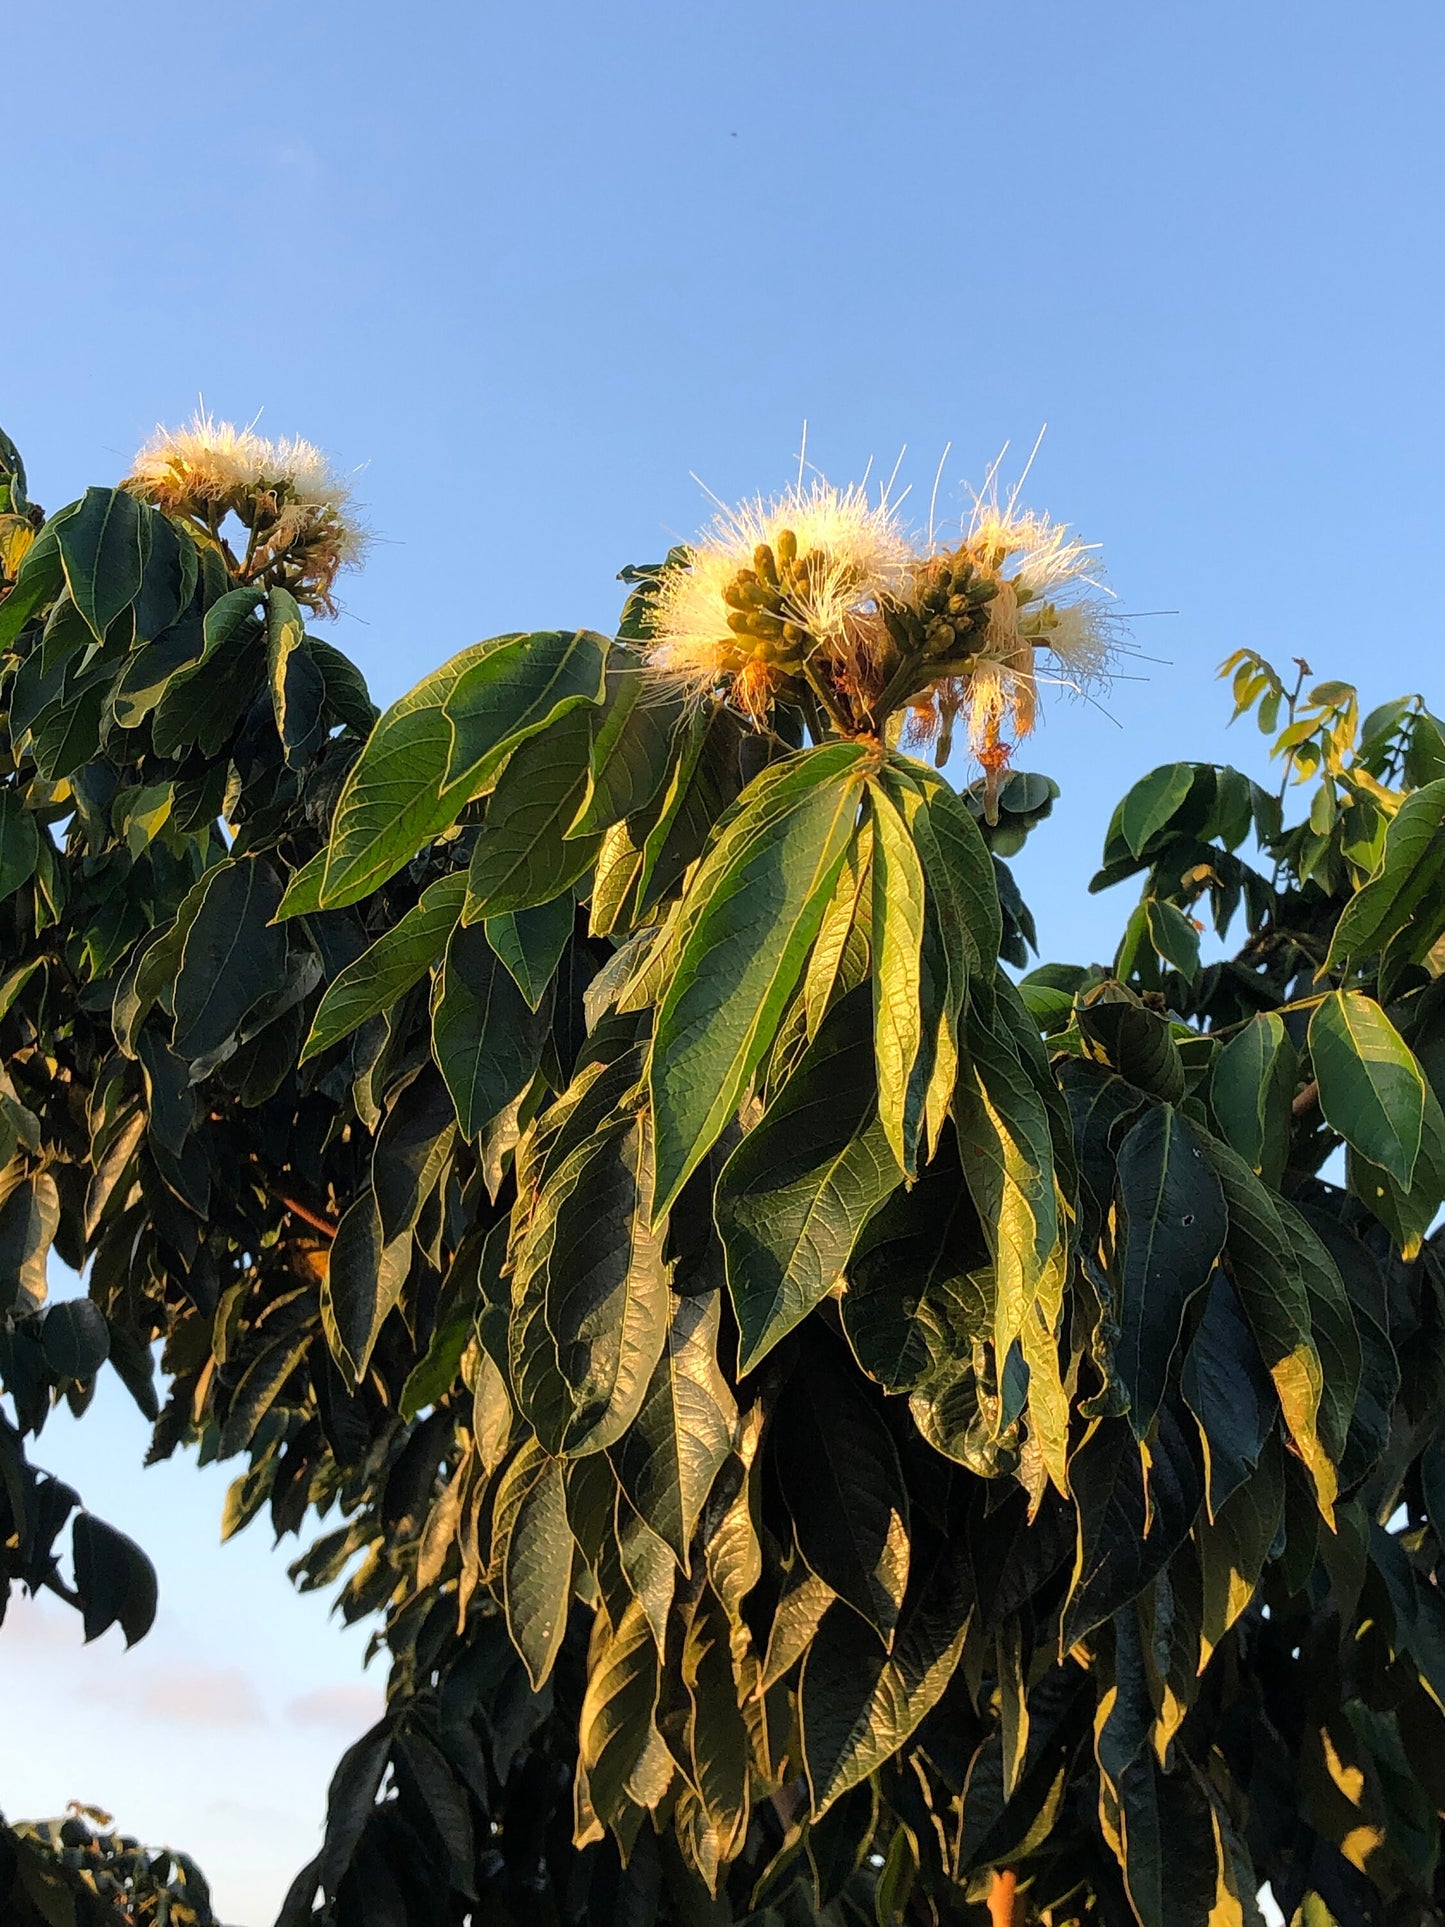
523,856
1410,863
631,748
1371,1089
382,974
104,546
898,1020
1125,1538
298,688
364,1279
1152,801
1262,1267
616,1733
534,1544
795,1194
19,843
1250,1091
1174,1229
669,1457
75,1338
858,1704
844,1489
484,1038
1230,1393
592,1256
511,693
750,917
234,955
397,796
530,943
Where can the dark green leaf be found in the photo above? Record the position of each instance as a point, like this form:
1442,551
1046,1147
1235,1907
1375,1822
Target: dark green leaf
795,1194
104,546
1371,1088
844,1490
364,1279
1126,1538
389,968
534,1544
747,923
233,956
484,1038
512,692
1152,801
523,856
19,843
530,943
75,1338
1174,1229
1229,1391
115,1580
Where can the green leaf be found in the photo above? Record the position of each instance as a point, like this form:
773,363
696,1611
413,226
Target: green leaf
1231,1395
1151,803
1174,1229
513,692
746,926
1006,1146
75,1338
115,1580
29,1219
1173,936
233,957
898,908
857,1704
1250,1090
530,943
104,546
1412,861
364,1279
298,688
1261,1263
486,1041
533,1542
631,747
396,961
412,1151
794,1195
522,855
1127,1534
395,798
616,1735
1371,1089
669,1457
40,579
844,1489
19,843
590,1263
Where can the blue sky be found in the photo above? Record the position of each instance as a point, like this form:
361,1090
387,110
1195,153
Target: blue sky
534,268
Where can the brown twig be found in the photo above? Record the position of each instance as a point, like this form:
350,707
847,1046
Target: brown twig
316,1219
1306,1099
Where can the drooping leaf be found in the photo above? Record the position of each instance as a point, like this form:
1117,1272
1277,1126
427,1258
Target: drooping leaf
523,856
364,1280
382,974
530,943
485,1039
794,1195
1230,1393
75,1338
534,1544
1151,803
897,942
1371,1089
844,1490
1174,1229
115,1580
104,545
19,843
1127,1532
1250,1091
747,923
232,957
670,1455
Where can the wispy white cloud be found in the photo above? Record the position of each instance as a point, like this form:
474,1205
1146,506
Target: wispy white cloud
348,1709
190,1695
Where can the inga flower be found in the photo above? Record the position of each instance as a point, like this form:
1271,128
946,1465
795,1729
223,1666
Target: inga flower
777,595
1018,591
296,510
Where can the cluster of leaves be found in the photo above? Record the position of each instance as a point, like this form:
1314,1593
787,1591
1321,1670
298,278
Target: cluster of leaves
827,1432
78,1872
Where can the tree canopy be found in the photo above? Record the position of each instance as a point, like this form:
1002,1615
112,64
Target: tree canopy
829,1423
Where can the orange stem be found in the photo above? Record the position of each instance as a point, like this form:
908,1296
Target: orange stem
1003,1898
